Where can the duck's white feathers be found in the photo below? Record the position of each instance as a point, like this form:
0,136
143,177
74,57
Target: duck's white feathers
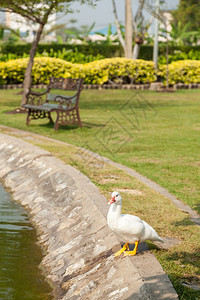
130,228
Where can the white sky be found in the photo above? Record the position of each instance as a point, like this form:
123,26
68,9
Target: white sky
102,14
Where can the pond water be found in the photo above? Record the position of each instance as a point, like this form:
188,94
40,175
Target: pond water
20,277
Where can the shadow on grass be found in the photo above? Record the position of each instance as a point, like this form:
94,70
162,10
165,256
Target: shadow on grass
70,127
184,287
63,128
184,222
197,208
186,258
91,125
152,246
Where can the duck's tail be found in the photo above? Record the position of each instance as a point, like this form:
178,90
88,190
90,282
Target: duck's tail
159,239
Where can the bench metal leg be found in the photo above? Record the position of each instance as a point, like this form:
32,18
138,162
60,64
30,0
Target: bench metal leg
56,122
28,118
63,117
37,114
67,118
50,118
79,119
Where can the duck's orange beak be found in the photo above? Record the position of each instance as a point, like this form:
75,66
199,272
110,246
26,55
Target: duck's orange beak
112,200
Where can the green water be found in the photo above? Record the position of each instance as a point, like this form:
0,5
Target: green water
20,277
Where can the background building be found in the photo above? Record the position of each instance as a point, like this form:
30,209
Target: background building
28,29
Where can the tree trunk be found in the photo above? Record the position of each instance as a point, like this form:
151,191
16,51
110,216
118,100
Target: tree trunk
119,32
136,50
167,57
27,78
128,29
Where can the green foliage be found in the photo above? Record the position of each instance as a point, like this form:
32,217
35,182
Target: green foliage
11,56
82,36
92,49
108,37
118,70
74,56
65,51
188,12
174,49
178,33
179,55
68,55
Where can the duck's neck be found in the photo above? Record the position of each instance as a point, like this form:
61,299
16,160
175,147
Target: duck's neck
115,211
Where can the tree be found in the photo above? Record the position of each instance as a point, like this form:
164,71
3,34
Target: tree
38,12
180,36
138,24
4,28
81,34
159,14
109,37
128,29
188,12
178,33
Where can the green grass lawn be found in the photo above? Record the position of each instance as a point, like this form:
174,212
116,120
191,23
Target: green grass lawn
156,134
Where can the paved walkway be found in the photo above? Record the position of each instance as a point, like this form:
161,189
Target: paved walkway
70,214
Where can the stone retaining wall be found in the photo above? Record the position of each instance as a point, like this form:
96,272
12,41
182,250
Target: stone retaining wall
70,215
147,86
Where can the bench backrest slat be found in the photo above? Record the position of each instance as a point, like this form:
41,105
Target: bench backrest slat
71,84
52,97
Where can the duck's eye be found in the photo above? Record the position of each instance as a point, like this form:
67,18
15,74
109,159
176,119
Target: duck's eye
116,195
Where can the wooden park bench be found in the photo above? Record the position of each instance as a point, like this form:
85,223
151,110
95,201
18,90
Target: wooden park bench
66,106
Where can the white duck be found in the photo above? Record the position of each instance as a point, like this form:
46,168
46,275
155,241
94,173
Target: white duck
129,228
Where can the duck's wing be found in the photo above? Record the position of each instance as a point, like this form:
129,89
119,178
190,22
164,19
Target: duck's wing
132,228
131,225
150,233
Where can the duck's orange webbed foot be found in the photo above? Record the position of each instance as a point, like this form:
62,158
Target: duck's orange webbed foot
132,253
125,247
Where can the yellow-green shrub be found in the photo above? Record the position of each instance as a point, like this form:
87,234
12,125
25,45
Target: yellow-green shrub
184,71
13,71
119,70
97,72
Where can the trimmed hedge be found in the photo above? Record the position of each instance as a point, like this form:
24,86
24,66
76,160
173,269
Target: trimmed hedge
94,49
182,71
119,70
68,55
13,71
108,51
116,70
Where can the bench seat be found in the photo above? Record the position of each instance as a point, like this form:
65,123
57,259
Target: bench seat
46,107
